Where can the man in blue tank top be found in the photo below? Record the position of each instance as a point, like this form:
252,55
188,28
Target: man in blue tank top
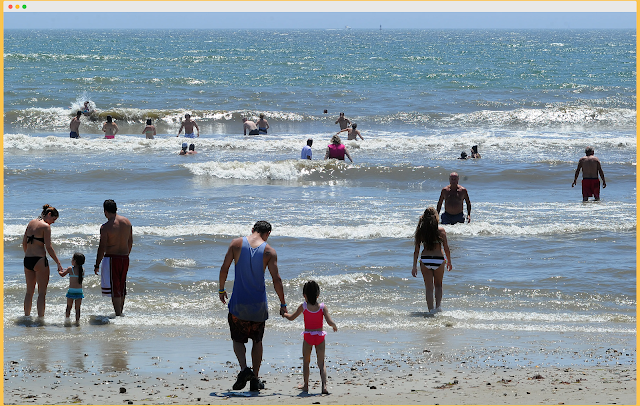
248,303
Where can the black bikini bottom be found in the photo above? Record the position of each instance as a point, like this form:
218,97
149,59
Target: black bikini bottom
30,262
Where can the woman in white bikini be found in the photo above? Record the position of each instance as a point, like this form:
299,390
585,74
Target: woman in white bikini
432,260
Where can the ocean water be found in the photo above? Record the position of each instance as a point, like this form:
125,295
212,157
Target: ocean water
535,260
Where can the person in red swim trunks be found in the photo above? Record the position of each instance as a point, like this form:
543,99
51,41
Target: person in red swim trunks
116,240
591,167
313,334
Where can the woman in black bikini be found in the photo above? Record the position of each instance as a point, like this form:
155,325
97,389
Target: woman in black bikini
433,260
35,244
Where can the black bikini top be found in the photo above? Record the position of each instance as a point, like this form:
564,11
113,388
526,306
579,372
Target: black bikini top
30,239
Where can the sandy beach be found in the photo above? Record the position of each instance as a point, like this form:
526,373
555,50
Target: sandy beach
158,372
380,381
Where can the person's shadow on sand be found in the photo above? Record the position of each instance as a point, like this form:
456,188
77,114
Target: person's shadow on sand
309,395
246,394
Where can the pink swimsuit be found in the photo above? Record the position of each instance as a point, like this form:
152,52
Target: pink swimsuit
313,321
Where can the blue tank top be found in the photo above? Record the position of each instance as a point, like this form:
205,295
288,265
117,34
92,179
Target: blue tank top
249,297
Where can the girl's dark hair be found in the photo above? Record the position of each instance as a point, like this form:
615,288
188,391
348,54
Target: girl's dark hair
109,119
427,229
148,121
354,126
79,258
312,291
46,209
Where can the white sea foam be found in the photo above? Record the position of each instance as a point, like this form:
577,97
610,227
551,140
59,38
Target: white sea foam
64,234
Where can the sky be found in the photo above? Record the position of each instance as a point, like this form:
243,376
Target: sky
276,15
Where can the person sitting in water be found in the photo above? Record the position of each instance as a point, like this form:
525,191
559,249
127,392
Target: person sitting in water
463,155
183,151
251,126
87,110
474,152
262,124
192,149
353,133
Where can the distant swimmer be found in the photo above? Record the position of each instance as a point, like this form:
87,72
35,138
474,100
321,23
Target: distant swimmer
344,122
149,130
251,126
591,167
463,155
353,134
306,150
87,109
474,152
453,195
188,125
183,151
192,149
262,124
337,150
74,126
110,128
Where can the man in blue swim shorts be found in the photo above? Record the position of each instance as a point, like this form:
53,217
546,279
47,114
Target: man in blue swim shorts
453,195
188,125
74,126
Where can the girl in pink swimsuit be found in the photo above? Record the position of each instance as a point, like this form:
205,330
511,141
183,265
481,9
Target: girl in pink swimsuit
313,334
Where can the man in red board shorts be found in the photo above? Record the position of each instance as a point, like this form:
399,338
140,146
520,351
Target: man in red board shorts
591,167
116,240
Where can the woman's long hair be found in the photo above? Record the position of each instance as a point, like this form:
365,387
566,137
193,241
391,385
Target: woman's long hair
427,230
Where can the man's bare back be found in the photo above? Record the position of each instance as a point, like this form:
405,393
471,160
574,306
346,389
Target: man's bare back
591,168
118,235
74,125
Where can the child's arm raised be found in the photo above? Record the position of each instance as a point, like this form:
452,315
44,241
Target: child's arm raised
65,272
329,320
293,316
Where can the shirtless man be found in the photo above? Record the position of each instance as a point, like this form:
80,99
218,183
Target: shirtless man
591,167
188,125
352,133
110,128
74,126
251,126
453,195
344,122
116,240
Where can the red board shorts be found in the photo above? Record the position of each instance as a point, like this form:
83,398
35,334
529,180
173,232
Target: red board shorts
243,330
119,266
591,187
